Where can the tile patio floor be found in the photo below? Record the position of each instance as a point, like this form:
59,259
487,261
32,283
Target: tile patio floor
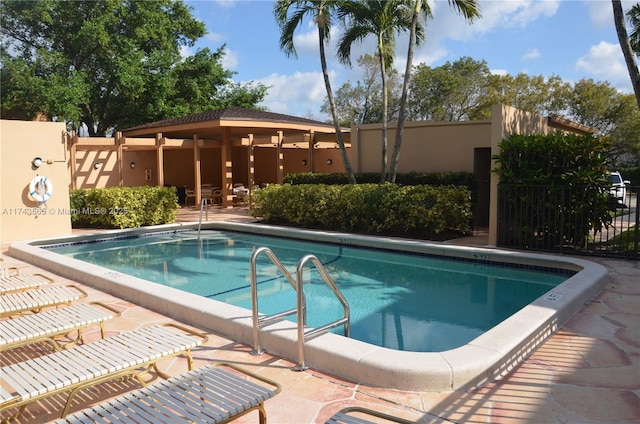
588,372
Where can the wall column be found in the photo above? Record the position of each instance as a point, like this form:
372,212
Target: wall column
72,140
196,169
251,167
312,142
226,164
119,140
280,157
160,158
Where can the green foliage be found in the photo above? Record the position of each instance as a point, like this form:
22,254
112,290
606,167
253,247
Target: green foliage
123,207
412,178
110,64
553,159
631,174
384,209
554,188
626,240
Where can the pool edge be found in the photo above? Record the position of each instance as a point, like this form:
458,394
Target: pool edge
474,364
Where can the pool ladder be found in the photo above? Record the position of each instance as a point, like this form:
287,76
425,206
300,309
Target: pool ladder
301,307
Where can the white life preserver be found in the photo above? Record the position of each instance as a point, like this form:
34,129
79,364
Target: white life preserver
41,189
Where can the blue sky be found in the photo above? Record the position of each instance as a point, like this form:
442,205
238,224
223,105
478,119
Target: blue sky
574,39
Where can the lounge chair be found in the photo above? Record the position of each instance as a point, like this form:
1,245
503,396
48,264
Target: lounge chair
130,353
7,271
46,325
35,300
20,282
209,394
354,415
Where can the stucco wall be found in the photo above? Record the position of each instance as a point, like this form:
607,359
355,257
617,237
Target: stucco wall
21,217
426,146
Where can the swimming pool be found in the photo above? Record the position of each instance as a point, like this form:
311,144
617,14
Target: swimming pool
405,301
482,359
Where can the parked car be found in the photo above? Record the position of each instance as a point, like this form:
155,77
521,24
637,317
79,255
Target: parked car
618,187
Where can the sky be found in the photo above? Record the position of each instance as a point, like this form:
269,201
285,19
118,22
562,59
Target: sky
573,39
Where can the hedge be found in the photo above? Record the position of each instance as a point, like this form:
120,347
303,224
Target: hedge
123,207
419,211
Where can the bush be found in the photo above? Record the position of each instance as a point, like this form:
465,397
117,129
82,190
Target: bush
560,181
123,207
384,209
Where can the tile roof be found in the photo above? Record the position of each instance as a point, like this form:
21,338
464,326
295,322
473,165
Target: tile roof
232,113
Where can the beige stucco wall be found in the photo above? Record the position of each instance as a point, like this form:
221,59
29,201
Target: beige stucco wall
505,121
21,217
426,146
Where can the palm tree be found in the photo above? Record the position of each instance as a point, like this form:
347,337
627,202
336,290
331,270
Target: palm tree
321,11
623,38
384,19
633,15
468,9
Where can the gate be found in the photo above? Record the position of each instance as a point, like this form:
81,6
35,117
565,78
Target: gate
590,220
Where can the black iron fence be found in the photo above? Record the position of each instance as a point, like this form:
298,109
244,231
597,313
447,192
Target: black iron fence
601,221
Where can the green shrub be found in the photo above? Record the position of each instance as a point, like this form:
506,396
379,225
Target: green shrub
561,180
123,207
384,209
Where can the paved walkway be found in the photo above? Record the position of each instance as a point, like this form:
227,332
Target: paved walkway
588,372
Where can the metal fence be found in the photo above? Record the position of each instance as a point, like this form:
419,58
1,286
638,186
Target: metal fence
590,220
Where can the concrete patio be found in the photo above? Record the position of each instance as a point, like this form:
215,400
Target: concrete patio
588,372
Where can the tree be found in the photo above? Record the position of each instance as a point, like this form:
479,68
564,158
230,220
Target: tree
468,9
455,91
633,15
600,106
535,94
321,12
383,19
362,103
625,45
109,64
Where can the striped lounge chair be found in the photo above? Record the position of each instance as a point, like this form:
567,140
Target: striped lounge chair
46,325
127,354
216,393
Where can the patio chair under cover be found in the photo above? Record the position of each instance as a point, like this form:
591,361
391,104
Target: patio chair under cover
130,353
209,394
46,325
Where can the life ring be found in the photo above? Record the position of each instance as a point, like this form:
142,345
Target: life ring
41,189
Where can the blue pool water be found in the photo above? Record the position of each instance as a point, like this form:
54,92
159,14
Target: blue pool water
403,301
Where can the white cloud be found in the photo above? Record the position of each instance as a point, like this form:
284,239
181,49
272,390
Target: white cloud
298,94
230,59
601,12
448,24
605,61
501,72
531,54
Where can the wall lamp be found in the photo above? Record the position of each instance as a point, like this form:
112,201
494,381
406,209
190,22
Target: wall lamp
304,162
329,161
96,165
36,162
132,165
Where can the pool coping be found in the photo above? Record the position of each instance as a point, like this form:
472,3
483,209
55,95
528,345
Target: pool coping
484,359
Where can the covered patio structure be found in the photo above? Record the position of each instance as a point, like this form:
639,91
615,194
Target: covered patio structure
216,150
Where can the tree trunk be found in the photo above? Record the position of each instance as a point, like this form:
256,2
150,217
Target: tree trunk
334,111
395,157
385,113
623,38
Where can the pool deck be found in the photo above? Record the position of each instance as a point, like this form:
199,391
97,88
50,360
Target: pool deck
588,372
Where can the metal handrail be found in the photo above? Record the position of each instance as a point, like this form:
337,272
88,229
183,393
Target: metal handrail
302,307
202,203
265,319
